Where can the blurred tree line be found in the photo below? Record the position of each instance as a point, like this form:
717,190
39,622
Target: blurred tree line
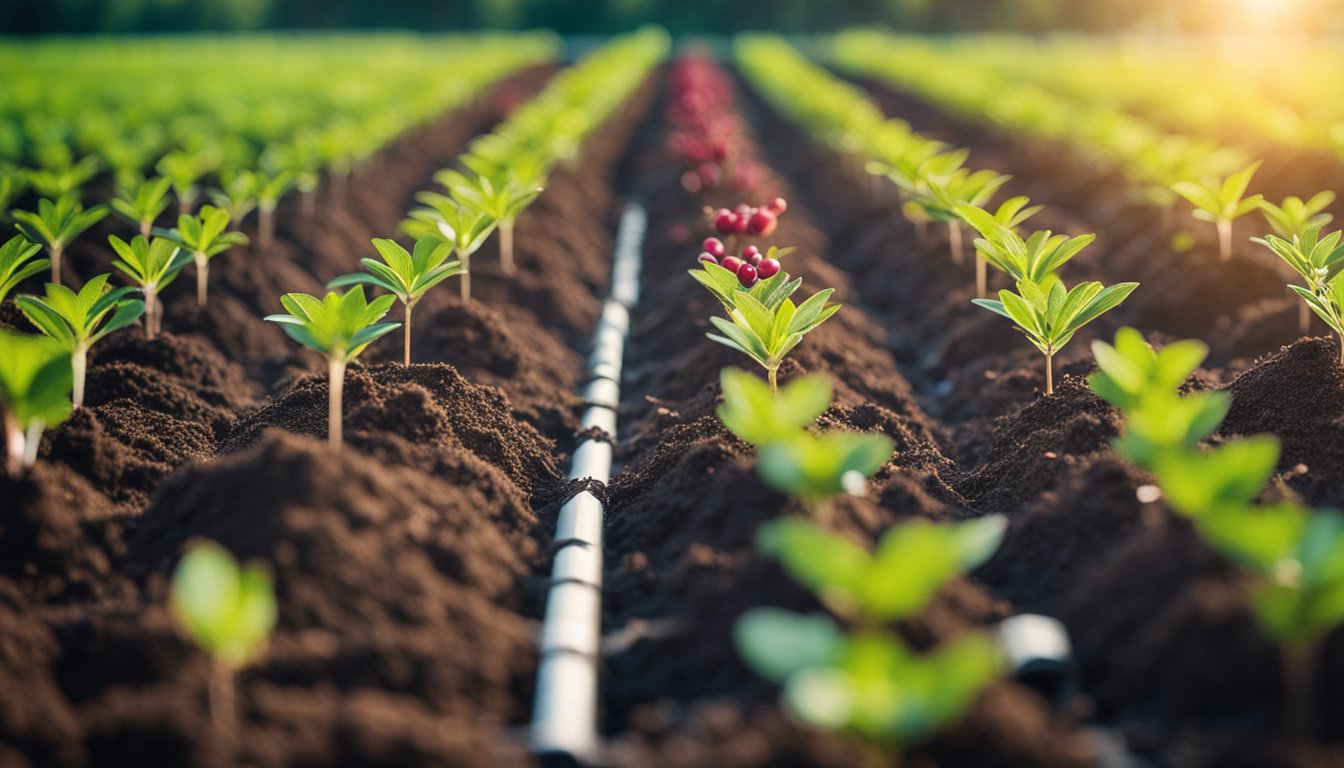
607,16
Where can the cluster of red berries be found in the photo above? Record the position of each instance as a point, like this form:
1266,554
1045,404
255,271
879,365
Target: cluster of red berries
751,267
746,220
707,133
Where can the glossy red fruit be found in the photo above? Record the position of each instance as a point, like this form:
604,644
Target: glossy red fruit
746,275
741,222
768,268
762,223
732,263
743,209
725,221
777,206
708,258
713,246
749,251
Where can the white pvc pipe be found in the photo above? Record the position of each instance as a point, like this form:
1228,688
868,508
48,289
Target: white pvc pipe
564,715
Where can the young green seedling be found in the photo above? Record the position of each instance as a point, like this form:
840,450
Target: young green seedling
152,265
55,225
999,244
1049,315
502,201
17,263
237,195
722,278
768,333
269,189
142,202
64,181
35,382
945,193
408,276
229,610
340,326
457,222
1221,203
204,236
1319,260
185,170
1295,216
77,321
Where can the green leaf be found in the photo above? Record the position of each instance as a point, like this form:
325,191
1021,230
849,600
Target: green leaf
229,610
778,644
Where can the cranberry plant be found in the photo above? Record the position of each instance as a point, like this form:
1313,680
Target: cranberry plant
56,224
229,610
142,201
340,326
151,264
35,384
77,321
1049,314
1222,201
1295,554
17,263
408,276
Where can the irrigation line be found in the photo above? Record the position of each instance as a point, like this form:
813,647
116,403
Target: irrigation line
564,715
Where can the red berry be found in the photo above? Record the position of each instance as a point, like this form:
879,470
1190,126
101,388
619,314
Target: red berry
732,263
713,246
777,206
725,221
740,223
756,260
708,258
762,223
746,275
749,251
743,209
768,268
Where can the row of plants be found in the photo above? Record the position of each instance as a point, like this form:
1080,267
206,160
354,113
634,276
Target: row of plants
849,670
937,185
501,174
1163,168
240,122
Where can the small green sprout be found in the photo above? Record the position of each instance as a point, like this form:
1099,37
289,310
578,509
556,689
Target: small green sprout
758,416
408,276
339,326
142,201
1319,260
77,321
1011,214
237,195
1222,202
204,236
229,610
17,263
947,193
55,225
152,265
767,332
1295,216
1049,315
1032,260
65,180
35,383
459,223
185,170
502,200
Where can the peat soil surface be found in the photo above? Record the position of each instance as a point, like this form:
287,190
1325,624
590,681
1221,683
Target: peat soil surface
409,568
1168,652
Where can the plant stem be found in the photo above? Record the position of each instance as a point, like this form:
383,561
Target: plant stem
954,240
406,355
981,275
31,440
336,384
151,310
466,276
773,373
1225,240
506,247
266,227
223,709
79,364
56,251
13,446
1050,371
146,226
202,278
1298,710
1303,318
